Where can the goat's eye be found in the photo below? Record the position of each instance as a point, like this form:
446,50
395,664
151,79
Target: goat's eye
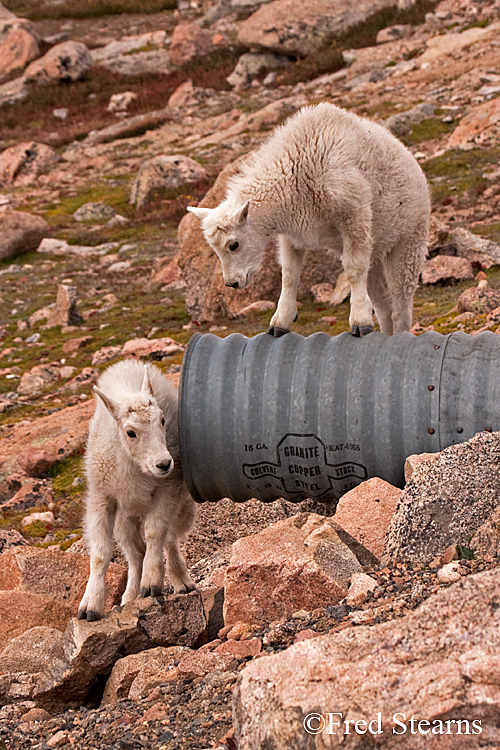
234,245
162,422
131,434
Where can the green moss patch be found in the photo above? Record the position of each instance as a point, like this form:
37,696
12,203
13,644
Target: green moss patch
427,130
85,8
460,172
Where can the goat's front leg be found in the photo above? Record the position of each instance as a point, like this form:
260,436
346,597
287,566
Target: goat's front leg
99,521
129,535
356,260
153,567
177,570
291,267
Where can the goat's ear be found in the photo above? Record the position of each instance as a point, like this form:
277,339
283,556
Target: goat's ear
108,402
241,214
146,383
201,213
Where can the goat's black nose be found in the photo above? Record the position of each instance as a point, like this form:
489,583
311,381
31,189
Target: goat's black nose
164,466
233,286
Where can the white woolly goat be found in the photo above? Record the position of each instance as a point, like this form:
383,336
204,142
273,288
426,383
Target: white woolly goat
328,178
135,485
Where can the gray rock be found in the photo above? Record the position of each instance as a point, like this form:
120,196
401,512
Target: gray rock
475,248
164,173
400,123
225,8
446,500
68,61
20,232
135,55
14,91
251,64
94,212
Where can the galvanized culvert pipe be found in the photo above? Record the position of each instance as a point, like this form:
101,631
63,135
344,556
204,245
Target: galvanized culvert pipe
298,417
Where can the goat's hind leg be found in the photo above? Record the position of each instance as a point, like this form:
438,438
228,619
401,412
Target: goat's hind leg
129,536
403,267
99,521
379,296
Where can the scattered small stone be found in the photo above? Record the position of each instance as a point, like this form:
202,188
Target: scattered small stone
61,113
47,517
121,102
449,573
256,307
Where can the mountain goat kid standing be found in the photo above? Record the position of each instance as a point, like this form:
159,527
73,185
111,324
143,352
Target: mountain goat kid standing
135,485
328,179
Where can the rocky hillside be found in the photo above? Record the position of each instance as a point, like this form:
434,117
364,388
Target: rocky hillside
114,116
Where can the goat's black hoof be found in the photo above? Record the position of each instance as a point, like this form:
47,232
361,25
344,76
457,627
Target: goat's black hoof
92,615
191,587
365,330
156,590
276,331
361,330
82,614
144,593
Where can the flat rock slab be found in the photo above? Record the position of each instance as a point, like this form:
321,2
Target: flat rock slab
63,432
439,663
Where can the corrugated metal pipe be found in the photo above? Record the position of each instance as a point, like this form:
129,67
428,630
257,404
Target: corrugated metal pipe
313,417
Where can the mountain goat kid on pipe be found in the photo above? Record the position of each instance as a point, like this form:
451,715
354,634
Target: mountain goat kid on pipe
135,485
328,179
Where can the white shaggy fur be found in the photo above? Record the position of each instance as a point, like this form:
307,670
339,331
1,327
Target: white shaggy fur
328,178
135,485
